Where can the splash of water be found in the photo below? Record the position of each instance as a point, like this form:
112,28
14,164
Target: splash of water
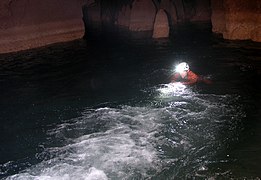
180,136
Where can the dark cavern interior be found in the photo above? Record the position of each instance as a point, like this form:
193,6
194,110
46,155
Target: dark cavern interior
130,89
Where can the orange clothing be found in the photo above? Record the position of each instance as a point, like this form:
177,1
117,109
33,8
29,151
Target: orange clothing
190,78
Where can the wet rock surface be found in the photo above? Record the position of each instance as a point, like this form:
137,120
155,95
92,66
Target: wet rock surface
237,20
26,24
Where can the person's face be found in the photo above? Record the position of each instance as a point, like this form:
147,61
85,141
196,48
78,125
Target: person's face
183,74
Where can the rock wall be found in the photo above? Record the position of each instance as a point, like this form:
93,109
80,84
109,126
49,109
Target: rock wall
180,10
193,10
171,11
218,16
28,24
91,15
238,19
124,17
161,25
142,15
202,11
139,15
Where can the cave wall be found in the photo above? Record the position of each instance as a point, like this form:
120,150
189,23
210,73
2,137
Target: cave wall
161,25
27,24
234,19
142,16
237,20
139,15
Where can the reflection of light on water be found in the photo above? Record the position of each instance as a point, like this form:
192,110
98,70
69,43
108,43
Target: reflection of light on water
174,89
139,142
122,149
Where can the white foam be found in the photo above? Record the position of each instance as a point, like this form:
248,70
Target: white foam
125,146
174,89
123,151
64,172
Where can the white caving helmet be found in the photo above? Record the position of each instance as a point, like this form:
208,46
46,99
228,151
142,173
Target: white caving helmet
182,67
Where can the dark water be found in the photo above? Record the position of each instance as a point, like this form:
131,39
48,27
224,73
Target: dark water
103,109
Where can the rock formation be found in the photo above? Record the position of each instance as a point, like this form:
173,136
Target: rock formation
124,17
237,19
202,11
32,23
170,9
28,24
142,15
180,10
161,25
218,16
91,15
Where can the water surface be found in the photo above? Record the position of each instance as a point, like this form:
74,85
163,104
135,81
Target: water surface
104,109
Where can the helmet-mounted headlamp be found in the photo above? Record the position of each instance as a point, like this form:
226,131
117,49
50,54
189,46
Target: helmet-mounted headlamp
182,67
